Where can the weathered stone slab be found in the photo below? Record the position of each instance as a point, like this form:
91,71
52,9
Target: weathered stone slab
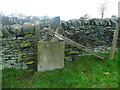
50,55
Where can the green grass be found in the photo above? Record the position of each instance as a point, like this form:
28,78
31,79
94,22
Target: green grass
85,72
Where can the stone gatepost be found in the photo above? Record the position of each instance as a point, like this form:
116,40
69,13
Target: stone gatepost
50,55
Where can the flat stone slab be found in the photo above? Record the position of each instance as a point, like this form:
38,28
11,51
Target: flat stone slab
50,55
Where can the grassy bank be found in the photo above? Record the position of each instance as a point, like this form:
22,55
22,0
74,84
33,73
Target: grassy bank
85,72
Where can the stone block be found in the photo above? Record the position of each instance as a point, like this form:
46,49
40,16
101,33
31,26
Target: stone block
64,25
5,33
50,55
16,29
28,28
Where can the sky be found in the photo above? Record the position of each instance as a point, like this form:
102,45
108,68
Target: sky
66,9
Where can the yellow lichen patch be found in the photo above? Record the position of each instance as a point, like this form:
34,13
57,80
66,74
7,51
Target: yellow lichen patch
25,44
30,62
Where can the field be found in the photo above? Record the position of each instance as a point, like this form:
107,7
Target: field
84,72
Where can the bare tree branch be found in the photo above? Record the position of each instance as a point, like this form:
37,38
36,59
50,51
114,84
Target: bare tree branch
103,8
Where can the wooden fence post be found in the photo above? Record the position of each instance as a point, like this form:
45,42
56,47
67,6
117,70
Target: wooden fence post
37,34
114,42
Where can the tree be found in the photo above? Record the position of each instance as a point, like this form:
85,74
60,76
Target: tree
103,8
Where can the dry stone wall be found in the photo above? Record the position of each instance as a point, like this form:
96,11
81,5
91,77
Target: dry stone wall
95,34
18,41
92,32
18,45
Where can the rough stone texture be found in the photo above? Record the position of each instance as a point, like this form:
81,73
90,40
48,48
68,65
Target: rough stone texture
50,55
18,47
28,28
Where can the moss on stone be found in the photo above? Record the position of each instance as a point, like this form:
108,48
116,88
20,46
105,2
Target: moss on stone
25,44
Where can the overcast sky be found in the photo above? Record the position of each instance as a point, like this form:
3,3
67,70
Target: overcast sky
66,9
